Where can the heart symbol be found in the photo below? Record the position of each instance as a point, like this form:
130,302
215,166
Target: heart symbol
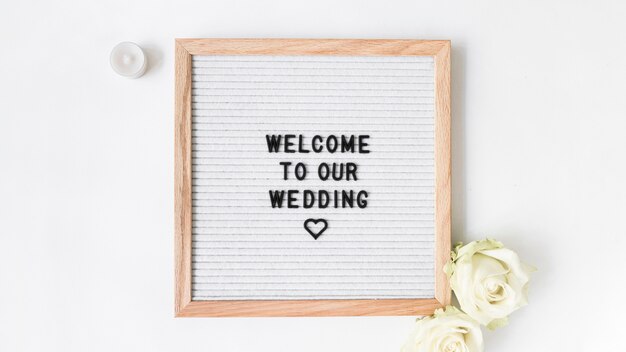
317,230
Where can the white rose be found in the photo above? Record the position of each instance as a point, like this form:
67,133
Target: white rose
445,331
489,281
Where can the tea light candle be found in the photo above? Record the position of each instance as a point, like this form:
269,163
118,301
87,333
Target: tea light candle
128,60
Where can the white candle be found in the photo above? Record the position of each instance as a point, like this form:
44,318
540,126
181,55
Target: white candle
128,60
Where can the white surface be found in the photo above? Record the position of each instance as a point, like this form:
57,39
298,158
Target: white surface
245,249
86,181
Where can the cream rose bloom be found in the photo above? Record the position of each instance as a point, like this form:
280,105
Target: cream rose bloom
445,331
489,281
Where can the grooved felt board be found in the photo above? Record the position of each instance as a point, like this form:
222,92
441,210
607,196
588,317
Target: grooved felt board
379,239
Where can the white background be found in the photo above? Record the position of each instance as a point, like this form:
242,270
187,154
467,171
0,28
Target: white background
86,167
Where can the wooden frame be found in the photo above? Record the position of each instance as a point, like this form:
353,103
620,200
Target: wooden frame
185,48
